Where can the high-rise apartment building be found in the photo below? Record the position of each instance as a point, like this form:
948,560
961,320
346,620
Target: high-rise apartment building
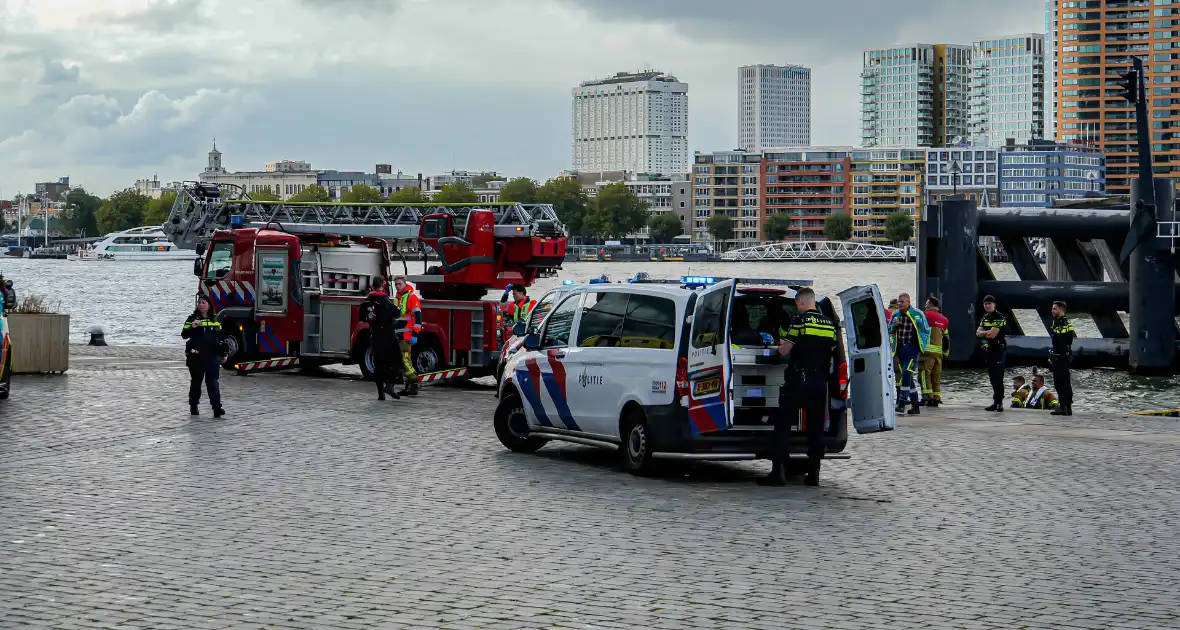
774,106
634,122
1007,92
1095,42
915,95
806,185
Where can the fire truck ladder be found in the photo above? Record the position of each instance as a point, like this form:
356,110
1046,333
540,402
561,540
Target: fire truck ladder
202,208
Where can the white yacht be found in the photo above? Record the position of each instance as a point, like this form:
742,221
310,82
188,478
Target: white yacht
143,243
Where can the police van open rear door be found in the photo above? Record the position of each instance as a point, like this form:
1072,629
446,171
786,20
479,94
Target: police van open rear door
710,364
869,359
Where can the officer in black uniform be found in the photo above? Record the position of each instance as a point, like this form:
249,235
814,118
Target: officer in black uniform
1062,334
991,332
381,313
204,344
810,343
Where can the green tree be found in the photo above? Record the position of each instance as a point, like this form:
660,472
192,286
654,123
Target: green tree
520,190
899,227
456,193
481,181
158,209
777,227
838,227
314,193
408,194
122,211
615,212
568,199
664,227
264,195
362,193
720,226
81,214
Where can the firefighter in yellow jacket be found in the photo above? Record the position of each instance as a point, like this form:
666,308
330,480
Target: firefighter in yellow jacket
939,347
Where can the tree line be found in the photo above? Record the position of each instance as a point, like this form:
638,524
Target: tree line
614,213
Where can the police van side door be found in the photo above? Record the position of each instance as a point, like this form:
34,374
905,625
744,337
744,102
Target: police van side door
710,363
871,387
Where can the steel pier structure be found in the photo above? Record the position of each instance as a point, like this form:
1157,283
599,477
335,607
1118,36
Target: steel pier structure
951,266
825,251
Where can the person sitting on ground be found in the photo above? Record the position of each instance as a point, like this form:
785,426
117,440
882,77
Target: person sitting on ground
1020,392
1041,397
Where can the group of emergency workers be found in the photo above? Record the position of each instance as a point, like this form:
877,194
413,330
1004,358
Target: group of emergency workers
921,340
395,322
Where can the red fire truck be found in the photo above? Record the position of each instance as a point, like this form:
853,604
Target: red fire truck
287,279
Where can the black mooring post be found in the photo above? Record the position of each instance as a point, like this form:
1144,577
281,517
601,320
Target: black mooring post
957,274
1153,292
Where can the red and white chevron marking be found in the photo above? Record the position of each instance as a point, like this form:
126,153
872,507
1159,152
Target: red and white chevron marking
265,365
445,375
229,292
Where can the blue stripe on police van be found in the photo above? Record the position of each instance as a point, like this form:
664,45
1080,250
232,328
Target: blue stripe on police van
559,401
530,395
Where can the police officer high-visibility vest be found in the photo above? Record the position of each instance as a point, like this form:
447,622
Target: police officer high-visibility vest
814,336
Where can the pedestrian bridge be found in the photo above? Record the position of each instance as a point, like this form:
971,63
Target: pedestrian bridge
821,251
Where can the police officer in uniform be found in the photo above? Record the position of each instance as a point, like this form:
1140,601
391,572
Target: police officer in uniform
204,344
810,343
991,332
380,312
1062,335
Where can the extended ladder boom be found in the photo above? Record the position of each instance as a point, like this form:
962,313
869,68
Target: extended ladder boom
202,208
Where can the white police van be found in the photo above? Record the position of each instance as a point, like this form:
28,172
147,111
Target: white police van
685,371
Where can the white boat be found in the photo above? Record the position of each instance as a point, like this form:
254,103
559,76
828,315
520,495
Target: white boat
143,243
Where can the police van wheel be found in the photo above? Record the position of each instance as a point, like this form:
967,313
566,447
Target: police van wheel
636,448
512,426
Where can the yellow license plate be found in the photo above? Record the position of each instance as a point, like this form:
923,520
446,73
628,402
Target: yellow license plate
706,387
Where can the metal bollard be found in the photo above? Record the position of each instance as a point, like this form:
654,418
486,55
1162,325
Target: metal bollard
97,335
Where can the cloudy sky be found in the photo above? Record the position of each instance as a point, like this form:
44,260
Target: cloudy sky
108,91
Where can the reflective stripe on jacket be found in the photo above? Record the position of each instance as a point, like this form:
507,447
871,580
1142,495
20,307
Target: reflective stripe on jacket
921,327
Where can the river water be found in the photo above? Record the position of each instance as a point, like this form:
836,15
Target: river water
146,303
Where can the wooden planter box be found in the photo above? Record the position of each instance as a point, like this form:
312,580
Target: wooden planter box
40,343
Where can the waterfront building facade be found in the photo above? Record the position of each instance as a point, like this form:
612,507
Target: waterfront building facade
806,185
1007,90
884,182
774,106
1095,42
727,182
634,122
915,95
1041,172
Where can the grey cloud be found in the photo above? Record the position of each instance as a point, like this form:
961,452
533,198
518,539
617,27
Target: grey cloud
164,16
855,24
365,6
56,72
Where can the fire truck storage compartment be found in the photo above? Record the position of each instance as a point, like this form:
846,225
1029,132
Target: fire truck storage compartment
336,319
340,270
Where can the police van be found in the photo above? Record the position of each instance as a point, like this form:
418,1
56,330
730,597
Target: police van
687,370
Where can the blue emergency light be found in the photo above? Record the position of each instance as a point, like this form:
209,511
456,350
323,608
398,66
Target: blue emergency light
603,279
567,282
235,221
697,281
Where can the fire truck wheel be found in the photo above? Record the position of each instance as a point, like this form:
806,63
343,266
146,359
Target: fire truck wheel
512,426
367,360
427,356
233,350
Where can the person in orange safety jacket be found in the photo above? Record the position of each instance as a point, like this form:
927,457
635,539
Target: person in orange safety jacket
522,306
930,363
408,327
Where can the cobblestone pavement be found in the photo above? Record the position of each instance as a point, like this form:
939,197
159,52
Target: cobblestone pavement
312,505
